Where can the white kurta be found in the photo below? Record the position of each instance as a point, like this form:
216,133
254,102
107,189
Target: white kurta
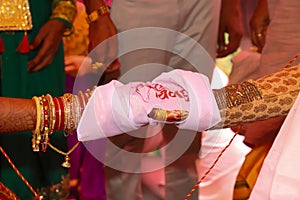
279,177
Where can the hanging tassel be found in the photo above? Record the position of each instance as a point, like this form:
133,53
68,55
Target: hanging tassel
24,45
1,45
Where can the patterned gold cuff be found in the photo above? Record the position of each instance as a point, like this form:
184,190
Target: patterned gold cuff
93,16
270,96
236,94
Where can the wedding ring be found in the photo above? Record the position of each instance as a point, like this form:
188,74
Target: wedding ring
97,65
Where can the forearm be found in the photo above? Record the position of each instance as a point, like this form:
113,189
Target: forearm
179,97
268,97
92,5
17,115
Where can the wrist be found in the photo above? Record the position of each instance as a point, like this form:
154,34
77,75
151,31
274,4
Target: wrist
91,5
65,12
101,11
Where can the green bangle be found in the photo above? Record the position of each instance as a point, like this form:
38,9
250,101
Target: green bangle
70,29
55,2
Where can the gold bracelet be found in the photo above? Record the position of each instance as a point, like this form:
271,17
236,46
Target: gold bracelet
70,124
37,132
66,112
45,128
52,117
77,110
93,16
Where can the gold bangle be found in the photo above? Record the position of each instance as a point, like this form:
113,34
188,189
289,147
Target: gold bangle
93,16
45,128
70,125
77,110
37,132
65,12
52,117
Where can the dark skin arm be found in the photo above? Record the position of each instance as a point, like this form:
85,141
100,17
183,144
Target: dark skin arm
231,23
48,39
238,103
259,24
17,115
103,31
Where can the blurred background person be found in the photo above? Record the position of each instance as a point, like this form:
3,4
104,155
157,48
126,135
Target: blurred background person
86,172
33,63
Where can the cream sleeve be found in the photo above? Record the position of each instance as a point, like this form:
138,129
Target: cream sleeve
268,97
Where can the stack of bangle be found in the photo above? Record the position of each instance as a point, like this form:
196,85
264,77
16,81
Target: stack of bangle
64,11
54,114
44,125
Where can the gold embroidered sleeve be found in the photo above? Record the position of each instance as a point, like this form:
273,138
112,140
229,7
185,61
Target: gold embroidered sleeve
267,97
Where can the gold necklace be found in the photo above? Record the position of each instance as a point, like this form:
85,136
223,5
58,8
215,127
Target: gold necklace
66,162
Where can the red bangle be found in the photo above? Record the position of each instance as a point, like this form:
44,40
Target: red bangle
46,113
62,114
57,113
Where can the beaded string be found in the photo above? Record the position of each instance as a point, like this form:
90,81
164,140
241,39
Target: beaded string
293,60
194,188
19,174
61,113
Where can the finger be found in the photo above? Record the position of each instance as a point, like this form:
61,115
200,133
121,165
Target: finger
221,41
98,54
253,38
44,57
222,52
232,46
40,61
36,42
262,38
112,49
69,68
258,40
68,61
34,66
234,43
113,67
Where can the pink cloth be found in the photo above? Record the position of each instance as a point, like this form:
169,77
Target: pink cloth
115,108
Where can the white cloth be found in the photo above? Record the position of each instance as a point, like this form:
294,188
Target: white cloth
115,108
279,177
219,183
